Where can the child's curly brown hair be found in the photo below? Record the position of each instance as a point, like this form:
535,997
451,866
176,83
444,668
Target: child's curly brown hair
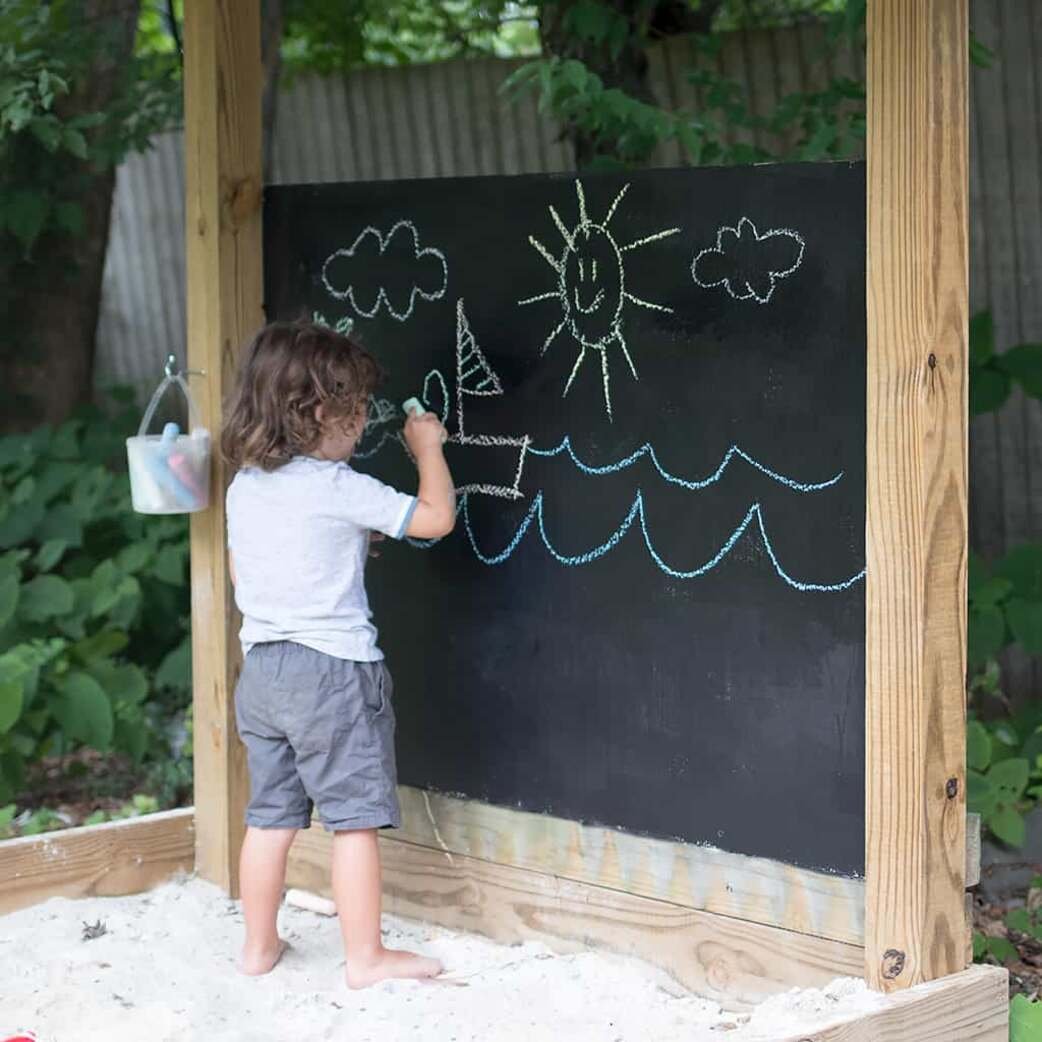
288,370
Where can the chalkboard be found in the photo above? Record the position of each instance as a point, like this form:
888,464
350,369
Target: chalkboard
651,613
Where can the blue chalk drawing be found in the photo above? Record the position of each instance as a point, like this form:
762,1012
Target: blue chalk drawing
647,449
636,512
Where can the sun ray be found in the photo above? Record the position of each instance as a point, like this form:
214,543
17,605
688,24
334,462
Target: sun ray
611,209
626,353
539,296
583,218
606,381
649,238
546,254
575,369
553,333
646,303
561,228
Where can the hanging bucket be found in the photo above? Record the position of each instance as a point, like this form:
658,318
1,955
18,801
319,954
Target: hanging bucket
170,472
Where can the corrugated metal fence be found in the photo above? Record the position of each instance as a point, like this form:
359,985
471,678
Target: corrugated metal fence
451,120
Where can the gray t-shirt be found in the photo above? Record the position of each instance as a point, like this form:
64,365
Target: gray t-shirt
299,537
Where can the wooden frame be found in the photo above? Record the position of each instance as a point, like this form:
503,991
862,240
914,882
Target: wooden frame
731,927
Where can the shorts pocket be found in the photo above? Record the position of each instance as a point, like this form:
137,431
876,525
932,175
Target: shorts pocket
376,688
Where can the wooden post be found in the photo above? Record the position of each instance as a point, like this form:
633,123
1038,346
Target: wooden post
916,493
223,162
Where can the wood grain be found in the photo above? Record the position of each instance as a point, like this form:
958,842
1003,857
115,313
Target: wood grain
916,491
120,857
223,163
971,1006
733,962
696,877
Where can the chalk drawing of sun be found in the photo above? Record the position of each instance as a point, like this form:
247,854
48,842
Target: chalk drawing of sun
591,286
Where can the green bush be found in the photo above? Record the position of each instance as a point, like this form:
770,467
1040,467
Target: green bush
94,601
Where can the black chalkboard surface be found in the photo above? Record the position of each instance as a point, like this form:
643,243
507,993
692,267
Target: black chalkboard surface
651,613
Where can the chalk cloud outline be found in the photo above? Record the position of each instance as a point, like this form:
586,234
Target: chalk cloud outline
382,299
772,274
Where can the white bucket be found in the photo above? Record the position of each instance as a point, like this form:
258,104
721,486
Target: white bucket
170,473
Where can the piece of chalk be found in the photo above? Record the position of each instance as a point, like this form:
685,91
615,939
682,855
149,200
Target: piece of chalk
310,902
413,406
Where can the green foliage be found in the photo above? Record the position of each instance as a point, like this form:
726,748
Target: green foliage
329,36
1025,1019
993,375
1005,605
51,140
93,601
1004,771
626,130
138,805
998,948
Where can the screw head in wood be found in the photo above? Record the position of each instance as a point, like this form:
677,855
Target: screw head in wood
951,788
893,963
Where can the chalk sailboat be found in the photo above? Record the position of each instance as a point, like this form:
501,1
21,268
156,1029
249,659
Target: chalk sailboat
475,378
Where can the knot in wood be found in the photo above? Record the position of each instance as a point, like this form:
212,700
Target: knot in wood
893,964
951,788
932,361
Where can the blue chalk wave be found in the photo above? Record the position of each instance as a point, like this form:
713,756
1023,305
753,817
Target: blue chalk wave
636,513
647,449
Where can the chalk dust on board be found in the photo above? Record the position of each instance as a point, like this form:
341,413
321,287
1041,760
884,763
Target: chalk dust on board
164,969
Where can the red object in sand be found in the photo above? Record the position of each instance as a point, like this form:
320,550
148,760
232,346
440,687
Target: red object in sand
20,1038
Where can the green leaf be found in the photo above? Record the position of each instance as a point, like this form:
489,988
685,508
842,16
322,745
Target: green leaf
989,389
1024,364
1025,1019
9,593
1023,567
134,557
49,554
1010,778
169,566
175,671
980,945
74,142
124,683
1002,949
1025,621
1008,825
101,645
84,710
982,337
990,592
44,597
986,635
978,746
61,522
70,217
27,213
1019,919
11,696
980,794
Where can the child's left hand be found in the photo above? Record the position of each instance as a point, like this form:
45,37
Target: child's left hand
374,538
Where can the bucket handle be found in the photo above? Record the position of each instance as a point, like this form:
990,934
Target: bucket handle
173,376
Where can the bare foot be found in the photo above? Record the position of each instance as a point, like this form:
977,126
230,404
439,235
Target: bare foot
388,964
255,964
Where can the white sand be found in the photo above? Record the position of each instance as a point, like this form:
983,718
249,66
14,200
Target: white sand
165,970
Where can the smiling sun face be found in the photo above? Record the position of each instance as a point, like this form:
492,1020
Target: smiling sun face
591,288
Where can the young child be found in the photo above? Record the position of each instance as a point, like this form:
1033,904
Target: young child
313,701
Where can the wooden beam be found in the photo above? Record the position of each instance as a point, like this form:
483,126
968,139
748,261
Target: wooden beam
734,962
119,857
916,492
698,877
223,162
972,1006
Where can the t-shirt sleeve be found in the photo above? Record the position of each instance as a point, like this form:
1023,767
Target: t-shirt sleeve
372,504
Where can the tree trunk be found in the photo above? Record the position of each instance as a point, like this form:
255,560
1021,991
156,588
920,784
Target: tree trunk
46,368
628,69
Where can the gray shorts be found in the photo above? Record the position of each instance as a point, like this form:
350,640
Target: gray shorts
318,731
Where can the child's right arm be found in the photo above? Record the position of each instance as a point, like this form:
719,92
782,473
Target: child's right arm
435,514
